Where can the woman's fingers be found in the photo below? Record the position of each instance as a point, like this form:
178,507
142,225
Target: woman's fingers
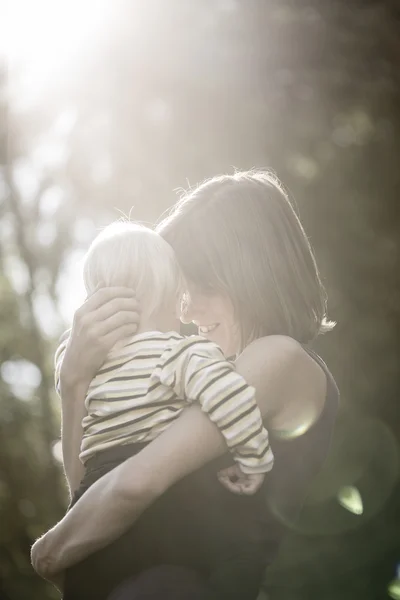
102,296
116,306
99,330
126,331
117,328
108,316
99,335
97,322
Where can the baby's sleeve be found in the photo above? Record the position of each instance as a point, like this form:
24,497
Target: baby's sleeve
197,370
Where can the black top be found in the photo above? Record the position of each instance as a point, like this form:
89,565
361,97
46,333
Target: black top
197,523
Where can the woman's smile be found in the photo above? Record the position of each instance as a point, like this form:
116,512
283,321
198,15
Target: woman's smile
214,315
214,333
204,329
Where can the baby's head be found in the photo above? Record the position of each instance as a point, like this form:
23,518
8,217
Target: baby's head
131,255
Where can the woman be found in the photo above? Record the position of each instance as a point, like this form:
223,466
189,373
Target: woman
254,289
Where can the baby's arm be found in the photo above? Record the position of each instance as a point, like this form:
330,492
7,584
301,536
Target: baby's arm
72,412
197,370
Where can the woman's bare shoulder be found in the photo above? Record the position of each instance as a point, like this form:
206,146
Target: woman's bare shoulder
279,350
279,342
280,368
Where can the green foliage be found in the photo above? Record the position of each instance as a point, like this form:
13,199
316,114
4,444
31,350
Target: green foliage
311,89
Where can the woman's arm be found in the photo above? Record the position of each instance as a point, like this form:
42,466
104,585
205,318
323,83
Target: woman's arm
107,316
72,412
123,494
283,375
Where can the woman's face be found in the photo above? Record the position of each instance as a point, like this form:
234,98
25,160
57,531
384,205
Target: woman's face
214,315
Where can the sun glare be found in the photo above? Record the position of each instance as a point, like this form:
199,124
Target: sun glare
41,35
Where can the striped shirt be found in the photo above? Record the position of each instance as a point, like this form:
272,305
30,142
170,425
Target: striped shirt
145,384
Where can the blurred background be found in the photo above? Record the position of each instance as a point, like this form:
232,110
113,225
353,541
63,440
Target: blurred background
109,107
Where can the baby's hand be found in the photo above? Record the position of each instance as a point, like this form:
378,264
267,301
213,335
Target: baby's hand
238,482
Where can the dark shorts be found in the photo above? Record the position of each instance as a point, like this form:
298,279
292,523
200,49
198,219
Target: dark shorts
165,582
197,527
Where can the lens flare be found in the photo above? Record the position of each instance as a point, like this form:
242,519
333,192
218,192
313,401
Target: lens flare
359,477
350,498
394,589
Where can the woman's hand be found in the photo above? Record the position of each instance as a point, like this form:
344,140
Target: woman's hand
108,316
84,530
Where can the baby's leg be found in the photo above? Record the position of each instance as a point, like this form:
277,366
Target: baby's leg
165,582
239,576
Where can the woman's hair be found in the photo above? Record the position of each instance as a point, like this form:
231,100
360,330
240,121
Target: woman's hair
132,255
239,235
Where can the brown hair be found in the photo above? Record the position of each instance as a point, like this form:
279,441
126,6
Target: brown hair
239,234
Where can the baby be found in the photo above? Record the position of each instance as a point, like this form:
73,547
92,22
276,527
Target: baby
149,379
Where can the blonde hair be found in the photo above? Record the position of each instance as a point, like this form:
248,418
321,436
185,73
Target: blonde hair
240,235
132,255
